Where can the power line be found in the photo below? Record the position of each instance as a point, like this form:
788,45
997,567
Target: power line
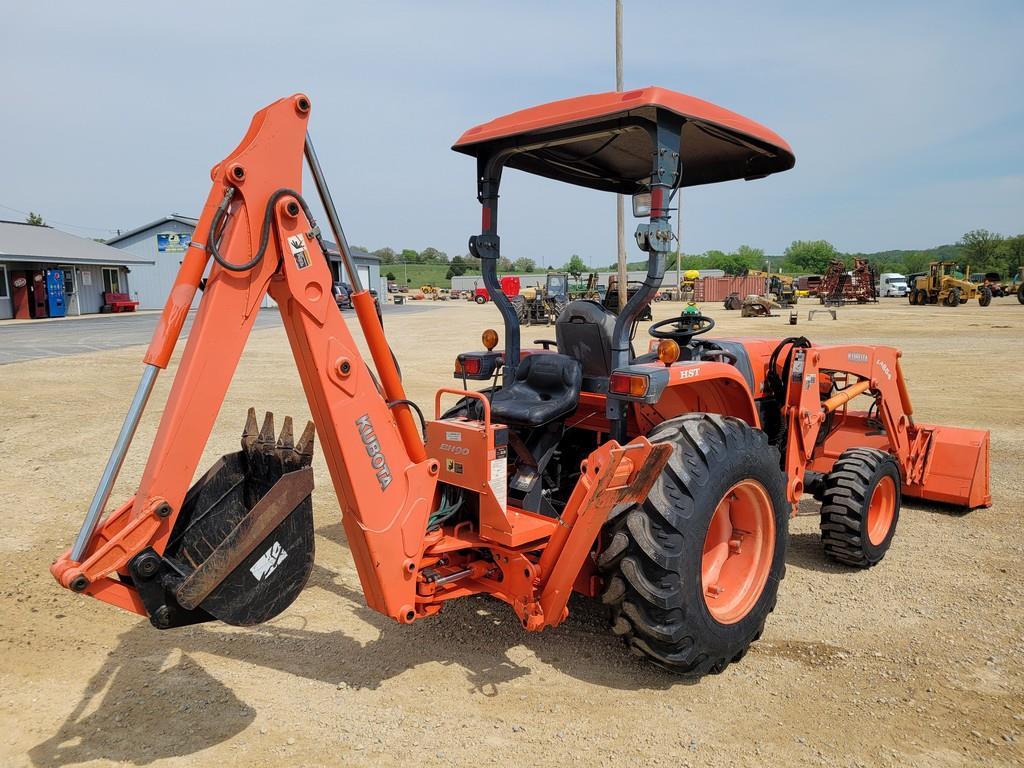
62,223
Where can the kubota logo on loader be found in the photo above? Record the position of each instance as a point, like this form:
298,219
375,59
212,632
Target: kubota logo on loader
377,460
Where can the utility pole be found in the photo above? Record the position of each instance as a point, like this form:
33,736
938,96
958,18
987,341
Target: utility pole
679,241
620,217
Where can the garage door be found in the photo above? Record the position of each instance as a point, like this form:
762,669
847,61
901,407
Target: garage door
364,277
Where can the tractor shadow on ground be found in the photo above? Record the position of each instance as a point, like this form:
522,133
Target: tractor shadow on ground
806,552
152,685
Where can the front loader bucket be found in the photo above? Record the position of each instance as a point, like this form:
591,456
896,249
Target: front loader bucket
242,548
955,469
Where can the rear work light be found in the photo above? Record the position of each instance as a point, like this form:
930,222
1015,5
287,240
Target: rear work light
628,384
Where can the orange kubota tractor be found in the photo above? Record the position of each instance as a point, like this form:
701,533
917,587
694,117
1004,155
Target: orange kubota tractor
659,481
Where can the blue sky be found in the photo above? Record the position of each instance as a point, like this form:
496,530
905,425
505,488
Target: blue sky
906,118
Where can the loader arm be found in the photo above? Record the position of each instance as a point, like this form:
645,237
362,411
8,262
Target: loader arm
939,463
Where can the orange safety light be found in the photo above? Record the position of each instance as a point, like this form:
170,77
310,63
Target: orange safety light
490,339
628,384
668,351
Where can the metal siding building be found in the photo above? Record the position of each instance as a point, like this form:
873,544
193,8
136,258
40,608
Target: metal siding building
156,242
151,284
89,268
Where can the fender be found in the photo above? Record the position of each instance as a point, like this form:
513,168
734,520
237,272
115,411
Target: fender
700,387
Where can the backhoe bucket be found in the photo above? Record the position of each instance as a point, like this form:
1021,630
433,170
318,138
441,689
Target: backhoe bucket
242,547
956,467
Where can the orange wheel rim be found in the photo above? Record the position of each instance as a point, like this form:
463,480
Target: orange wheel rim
738,552
881,510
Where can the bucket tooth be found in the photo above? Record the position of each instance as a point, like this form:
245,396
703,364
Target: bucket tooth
267,440
250,431
304,447
285,441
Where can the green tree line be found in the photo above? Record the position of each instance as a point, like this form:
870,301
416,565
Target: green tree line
980,249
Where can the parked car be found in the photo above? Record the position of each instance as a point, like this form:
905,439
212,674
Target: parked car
343,295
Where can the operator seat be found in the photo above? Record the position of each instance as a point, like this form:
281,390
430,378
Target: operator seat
546,387
584,332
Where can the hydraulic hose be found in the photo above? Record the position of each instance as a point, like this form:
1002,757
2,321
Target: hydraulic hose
219,218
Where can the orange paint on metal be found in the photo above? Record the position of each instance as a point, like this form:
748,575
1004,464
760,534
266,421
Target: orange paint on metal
881,510
390,379
738,551
846,395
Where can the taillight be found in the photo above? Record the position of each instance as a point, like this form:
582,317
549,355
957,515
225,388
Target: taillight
628,384
471,366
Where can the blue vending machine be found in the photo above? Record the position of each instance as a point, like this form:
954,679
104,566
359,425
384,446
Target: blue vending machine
55,292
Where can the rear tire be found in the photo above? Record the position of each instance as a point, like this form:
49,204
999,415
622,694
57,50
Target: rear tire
985,296
480,300
860,507
1020,293
722,476
953,297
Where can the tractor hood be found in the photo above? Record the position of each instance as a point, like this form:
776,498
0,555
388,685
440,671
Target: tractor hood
603,141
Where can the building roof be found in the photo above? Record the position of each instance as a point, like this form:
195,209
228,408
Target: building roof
31,243
186,220
357,253
332,247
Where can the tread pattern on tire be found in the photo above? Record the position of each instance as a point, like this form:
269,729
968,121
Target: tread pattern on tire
845,498
643,552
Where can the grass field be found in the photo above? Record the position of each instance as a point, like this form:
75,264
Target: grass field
415,275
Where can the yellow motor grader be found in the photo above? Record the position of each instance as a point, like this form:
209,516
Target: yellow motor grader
940,285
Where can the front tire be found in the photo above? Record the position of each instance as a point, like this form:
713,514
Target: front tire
860,508
692,573
953,297
480,299
985,296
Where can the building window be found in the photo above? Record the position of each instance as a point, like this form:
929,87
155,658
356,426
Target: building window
111,280
4,291
69,280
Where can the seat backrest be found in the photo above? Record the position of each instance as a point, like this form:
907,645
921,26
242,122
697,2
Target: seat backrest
548,374
584,332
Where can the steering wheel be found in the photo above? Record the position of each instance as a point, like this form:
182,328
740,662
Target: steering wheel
685,327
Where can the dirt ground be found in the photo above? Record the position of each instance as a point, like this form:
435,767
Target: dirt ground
919,661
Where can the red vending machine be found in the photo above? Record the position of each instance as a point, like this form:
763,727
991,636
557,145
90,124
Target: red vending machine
39,302
19,295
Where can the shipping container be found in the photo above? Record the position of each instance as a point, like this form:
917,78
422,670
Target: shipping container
717,288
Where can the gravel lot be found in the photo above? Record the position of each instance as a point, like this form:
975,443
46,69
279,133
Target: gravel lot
919,661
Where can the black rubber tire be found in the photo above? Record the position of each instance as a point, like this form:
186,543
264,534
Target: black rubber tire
480,299
846,494
912,296
985,296
953,297
1020,293
651,560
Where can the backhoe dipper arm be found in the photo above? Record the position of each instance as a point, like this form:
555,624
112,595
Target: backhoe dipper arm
384,482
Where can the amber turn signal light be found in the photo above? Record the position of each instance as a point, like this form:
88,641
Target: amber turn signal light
490,339
628,384
668,351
